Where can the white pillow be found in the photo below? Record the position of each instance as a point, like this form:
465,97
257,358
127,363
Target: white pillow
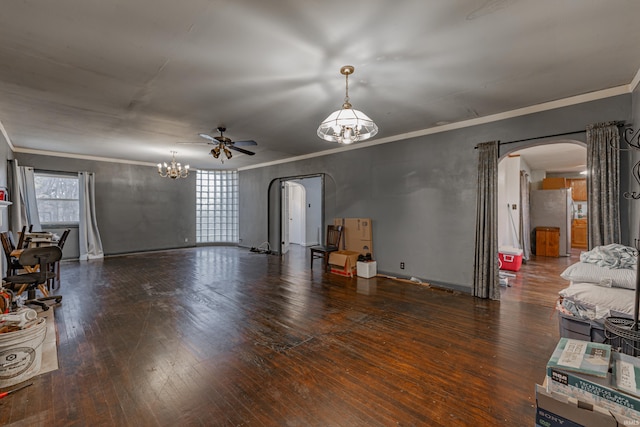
599,298
609,277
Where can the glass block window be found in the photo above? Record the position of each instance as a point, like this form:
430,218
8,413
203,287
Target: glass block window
57,197
217,206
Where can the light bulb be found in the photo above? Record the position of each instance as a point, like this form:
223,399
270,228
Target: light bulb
347,135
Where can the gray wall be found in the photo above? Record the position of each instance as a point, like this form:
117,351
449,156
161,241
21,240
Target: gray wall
136,209
419,193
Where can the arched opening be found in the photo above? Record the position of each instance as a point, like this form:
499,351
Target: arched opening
296,211
542,188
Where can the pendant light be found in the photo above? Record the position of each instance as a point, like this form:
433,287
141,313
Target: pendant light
347,125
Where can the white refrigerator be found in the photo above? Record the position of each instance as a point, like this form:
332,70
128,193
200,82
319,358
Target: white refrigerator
553,208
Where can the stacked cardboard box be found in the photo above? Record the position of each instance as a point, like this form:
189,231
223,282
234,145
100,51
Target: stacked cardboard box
357,235
583,374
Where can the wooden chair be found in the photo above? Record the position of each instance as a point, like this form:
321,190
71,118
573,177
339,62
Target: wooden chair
334,234
7,245
21,238
55,267
63,238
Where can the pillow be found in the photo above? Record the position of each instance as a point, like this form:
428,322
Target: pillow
609,277
601,299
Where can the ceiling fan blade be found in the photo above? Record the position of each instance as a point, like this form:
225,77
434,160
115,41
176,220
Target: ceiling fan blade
244,143
205,136
195,142
240,150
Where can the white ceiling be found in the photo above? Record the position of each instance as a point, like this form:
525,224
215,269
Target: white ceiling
129,79
561,156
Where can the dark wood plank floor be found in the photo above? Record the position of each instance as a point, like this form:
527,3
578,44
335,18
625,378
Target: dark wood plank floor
222,336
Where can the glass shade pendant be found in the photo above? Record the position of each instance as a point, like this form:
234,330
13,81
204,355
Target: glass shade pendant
347,125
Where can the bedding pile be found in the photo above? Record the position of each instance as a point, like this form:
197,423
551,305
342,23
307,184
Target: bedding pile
611,256
602,284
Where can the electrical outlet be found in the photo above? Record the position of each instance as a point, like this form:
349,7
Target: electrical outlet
402,266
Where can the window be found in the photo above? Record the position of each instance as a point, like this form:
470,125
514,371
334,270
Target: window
217,207
57,198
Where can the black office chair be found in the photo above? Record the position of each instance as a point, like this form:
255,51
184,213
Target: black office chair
334,234
37,262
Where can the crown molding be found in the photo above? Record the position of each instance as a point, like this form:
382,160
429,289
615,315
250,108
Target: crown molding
82,157
546,106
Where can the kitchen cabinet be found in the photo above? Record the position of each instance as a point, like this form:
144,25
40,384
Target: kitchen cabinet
554,183
548,241
579,189
579,233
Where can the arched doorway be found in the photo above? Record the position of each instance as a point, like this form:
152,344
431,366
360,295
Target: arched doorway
295,204
562,162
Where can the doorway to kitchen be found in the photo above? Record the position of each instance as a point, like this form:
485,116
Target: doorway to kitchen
551,220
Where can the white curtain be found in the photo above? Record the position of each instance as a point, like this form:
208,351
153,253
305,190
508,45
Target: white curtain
25,205
89,236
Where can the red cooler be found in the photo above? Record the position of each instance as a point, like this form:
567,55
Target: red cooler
510,258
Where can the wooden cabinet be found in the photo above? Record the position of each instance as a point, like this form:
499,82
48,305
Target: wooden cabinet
548,241
579,233
579,189
554,183
578,186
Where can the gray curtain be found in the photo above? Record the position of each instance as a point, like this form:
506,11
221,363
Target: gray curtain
603,184
486,281
25,206
525,221
89,236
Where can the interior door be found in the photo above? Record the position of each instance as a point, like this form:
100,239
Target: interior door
286,216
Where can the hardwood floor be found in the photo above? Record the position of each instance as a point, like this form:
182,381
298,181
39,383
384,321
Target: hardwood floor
220,336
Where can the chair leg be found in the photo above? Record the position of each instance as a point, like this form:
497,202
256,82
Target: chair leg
43,290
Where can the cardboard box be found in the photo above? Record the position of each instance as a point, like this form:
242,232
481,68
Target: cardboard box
343,263
357,234
595,391
555,410
367,269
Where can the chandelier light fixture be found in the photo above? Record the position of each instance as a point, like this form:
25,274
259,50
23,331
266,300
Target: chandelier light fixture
347,125
173,170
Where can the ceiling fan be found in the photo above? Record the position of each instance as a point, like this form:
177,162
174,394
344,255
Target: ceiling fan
224,145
